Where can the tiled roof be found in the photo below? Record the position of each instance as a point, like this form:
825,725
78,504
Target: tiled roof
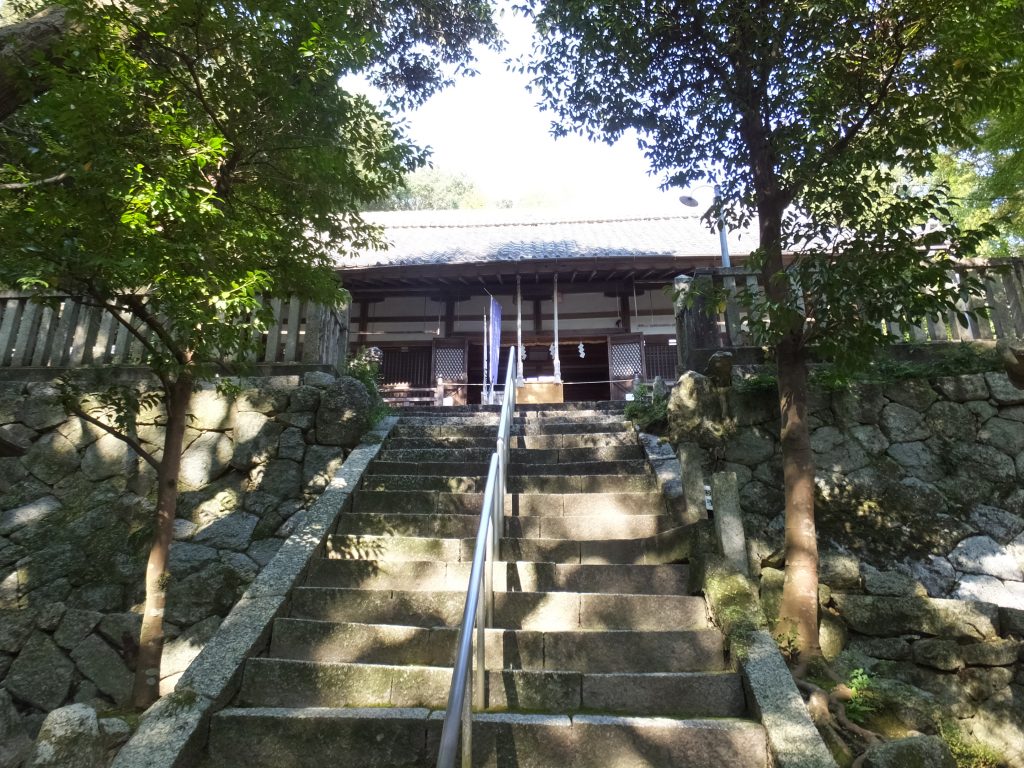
452,237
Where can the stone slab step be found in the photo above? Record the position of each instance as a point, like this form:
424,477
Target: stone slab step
597,467
523,484
545,427
508,577
578,527
592,652
272,682
542,611
420,443
408,738
669,547
518,417
523,442
520,456
672,546
521,505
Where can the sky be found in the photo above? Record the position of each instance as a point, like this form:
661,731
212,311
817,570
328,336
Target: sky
490,128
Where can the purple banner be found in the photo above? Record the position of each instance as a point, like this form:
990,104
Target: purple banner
495,351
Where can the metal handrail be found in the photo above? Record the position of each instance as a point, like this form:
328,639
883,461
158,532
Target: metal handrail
479,610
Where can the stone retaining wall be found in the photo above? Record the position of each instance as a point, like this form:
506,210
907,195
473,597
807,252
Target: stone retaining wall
76,511
920,513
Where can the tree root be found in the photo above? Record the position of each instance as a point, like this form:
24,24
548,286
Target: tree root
828,712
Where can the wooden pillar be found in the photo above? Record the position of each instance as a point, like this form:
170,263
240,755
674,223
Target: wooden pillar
558,362
519,329
364,319
449,318
627,323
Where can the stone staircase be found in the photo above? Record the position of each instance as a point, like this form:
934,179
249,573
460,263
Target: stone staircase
599,658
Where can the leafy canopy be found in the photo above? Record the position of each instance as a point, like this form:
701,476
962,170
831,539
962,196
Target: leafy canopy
191,156
806,115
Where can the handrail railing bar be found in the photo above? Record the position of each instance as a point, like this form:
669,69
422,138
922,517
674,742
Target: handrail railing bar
460,676
479,596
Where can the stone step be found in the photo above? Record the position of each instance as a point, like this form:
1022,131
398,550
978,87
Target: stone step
272,682
518,417
530,428
579,527
527,442
519,456
544,611
591,652
643,483
389,738
446,468
668,547
508,577
521,505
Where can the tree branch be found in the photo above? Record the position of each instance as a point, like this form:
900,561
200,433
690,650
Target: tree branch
138,308
38,182
130,441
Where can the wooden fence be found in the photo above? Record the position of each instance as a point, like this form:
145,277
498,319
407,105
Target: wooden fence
66,331
1004,297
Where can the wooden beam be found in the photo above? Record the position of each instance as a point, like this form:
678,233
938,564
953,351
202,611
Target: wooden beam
537,324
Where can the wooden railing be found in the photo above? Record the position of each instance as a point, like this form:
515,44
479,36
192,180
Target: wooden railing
66,332
700,333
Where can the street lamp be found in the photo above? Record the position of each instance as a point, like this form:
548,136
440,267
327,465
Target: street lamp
723,233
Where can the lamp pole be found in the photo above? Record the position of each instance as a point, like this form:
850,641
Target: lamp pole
723,233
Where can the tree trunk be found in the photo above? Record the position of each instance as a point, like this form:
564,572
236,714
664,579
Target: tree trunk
798,614
151,640
21,43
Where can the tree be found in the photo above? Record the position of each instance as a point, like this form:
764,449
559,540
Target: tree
188,160
431,189
801,113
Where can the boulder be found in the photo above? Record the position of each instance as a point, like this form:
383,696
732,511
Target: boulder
243,566
279,478
1003,434
209,592
889,648
916,394
982,682
70,738
997,523
1003,391
291,445
951,421
265,400
984,556
891,583
209,410
15,744
182,650
204,460
42,408
962,389
256,438
51,458
104,666
912,752
938,654
886,616
75,626
750,446
935,574
870,438
262,552
320,463
105,458
113,627
229,532
41,675
344,413
28,514
988,589
918,460
15,628
860,404
304,398
183,530
999,652
319,379
902,424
